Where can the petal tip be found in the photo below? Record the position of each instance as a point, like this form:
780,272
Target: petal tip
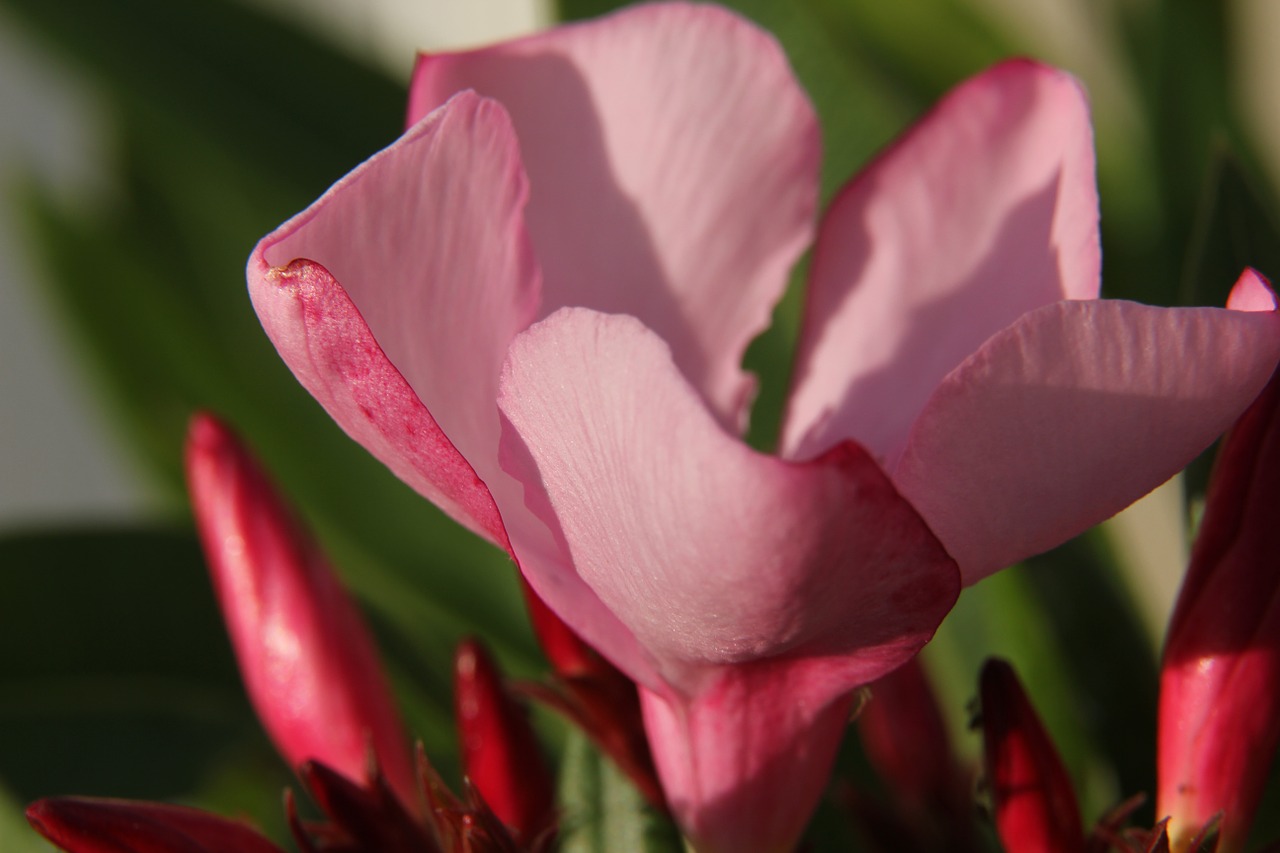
1252,292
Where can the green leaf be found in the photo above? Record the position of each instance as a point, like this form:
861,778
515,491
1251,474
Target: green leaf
229,123
602,812
117,679
16,835
266,92
1078,647
1236,226
115,673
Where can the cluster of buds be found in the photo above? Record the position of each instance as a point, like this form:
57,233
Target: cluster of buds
313,674
1219,711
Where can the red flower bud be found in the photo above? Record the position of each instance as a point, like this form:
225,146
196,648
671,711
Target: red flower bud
500,751
1034,803
305,655
1220,682
86,825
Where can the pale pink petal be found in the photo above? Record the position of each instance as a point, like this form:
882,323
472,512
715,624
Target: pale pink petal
1251,292
393,299
745,763
308,662
674,160
709,553
987,209
1071,414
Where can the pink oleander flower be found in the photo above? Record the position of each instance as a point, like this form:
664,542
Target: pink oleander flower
1220,682
533,308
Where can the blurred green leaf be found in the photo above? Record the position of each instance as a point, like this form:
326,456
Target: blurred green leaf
1181,51
601,811
1235,227
920,49
116,678
1078,648
16,835
1107,658
209,158
115,675
266,92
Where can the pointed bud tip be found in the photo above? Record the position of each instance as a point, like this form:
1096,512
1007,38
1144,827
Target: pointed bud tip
207,437
500,752
41,815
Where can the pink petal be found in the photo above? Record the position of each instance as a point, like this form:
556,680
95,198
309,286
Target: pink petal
674,161
393,299
745,763
1071,414
985,210
1251,292
708,552
308,662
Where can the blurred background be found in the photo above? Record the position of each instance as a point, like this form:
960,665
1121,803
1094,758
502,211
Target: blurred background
146,145
59,458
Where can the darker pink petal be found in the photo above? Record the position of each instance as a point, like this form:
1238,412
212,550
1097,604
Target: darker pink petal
1220,682
1072,413
675,164
88,825
334,355
985,210
307,660
393,299
745,761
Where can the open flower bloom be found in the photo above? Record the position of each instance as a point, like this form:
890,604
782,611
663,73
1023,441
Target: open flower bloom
533,307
